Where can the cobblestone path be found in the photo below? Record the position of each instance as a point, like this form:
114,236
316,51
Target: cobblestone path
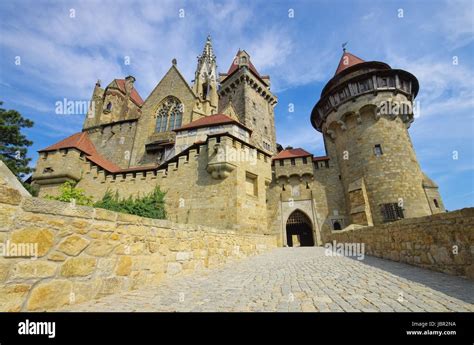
299,279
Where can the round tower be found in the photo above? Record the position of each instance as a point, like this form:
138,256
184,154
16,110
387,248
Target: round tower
364,113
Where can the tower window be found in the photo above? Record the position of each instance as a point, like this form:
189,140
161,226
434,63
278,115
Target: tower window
292,161
266,129
436,203
205,90
109,106
391,212
378,150
336,225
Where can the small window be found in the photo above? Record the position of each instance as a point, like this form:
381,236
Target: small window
305,160
391,212
109,106
336,225
436,203
293,161
378,150
281,162
251,184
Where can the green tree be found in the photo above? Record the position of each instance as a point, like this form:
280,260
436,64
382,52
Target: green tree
13,144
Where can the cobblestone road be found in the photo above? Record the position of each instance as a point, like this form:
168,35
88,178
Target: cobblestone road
299,279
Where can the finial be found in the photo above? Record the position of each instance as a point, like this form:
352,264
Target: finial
344,46
209,37
98,83
174,62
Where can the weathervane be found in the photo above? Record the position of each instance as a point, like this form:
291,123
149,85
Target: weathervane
344,46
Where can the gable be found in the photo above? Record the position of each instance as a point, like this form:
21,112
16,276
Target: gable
172,84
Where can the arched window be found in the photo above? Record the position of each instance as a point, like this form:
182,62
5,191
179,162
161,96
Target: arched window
109,106
170,114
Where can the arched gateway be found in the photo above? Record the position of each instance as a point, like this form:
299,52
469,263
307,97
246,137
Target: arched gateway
299,228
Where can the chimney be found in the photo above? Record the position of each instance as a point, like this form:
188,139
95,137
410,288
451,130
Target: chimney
129,84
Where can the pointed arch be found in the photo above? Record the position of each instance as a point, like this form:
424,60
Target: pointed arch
169,114
299,228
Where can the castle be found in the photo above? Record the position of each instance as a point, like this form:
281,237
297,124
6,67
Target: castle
212,147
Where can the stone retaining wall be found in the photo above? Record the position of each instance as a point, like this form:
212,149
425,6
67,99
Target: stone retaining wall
85,253
442,242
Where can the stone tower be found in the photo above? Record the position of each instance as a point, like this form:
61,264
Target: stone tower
364,113
205,79
249,94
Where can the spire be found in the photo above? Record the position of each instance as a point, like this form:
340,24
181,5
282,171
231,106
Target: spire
347,60
205,79
207,55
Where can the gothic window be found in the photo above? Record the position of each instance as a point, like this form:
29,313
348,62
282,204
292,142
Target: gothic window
170,114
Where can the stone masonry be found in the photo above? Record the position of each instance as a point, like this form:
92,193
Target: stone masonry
85,253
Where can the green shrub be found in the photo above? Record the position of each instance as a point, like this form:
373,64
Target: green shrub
69,192
151,205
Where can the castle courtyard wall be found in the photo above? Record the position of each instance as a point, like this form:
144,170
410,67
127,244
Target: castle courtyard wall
86,253
441,242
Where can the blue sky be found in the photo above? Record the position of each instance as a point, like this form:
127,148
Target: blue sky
66,46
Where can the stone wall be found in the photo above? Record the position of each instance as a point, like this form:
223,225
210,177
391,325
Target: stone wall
84,253
193,194
442,242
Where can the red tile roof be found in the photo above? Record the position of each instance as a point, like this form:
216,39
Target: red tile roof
82,142
322,158
347,60
135,97
292,153
235,66
210,121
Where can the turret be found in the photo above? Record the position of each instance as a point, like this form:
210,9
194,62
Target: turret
249,94
364,113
